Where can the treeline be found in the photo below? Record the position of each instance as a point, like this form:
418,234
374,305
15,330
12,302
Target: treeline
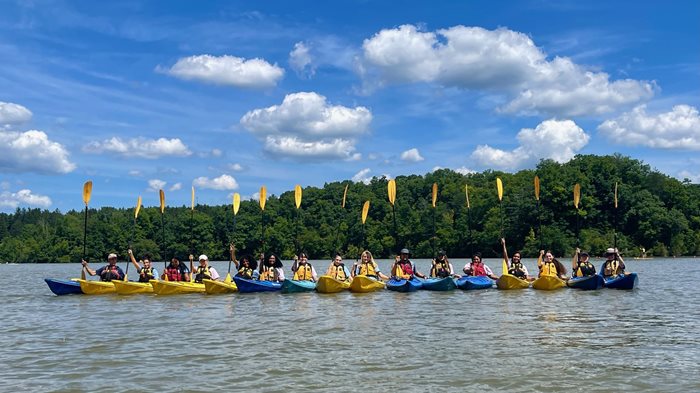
655,211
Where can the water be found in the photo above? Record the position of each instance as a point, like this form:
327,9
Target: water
521,341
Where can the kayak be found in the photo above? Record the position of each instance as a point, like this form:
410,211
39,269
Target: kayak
509,281
548,283
213,287
176,287
96,287
588,283
63,287
247,286
328,284
626,281
364,284
296,286
132,287
474,282
439,284
401,285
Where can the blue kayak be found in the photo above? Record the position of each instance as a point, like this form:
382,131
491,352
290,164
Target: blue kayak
588,283
474,282
247,286
295,286
622,281
63,287
401,285
439,284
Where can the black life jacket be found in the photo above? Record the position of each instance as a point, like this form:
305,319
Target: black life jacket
201,273
584,269
517,270
441,269
110,273
146,274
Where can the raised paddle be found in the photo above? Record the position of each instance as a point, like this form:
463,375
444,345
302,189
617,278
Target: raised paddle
162,228
342,207
365,210
539,217
263,198
499,188
391,191
236,206
87,193
435,192
577,199
191,233
615,229
133,232
297,203
469,218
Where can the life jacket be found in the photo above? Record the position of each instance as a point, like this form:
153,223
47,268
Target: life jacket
478,269
549,269
440,269
584,269
517,270
368,269
303,273
268,273
404,270
201,273
612,268
146,274
245,272
110,273
175,273
338,272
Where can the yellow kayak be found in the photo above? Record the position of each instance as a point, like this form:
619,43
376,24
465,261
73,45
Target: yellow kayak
132,287
213,287
96,287
548,283
509,281
176,287
328,284
364,284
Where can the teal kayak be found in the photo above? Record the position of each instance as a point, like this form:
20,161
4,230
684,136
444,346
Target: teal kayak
474,282
296,286
439,284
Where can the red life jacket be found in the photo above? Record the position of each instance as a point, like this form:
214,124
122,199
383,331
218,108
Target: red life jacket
406,267
110,273
175,273
478,269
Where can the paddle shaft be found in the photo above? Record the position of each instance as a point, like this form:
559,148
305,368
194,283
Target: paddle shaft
191,231
539,224
162,240
262,229
469,229
85,234
234,232
396,233
434,231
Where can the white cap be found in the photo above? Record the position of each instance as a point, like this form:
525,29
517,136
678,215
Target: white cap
112,255
610,251
203,257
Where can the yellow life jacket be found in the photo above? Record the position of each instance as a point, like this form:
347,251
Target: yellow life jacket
201,273
303,273
399,272
338,272
245,272
548,269
147,274
440,269
367,269
611,268
268,274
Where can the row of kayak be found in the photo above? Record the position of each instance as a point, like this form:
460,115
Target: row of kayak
327,284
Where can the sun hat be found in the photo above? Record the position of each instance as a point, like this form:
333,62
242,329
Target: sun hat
203,257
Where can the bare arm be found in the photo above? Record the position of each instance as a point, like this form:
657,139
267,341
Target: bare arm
133,260
232,252
87,268
574,260
539,259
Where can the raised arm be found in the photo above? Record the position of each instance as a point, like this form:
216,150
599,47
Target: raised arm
505,251
191,264
87,268
539,259
574,260
232,253
133,260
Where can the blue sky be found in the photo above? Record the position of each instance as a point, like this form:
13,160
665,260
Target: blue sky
230,96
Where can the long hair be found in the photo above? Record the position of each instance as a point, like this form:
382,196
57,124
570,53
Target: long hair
369,256
252,263
278,262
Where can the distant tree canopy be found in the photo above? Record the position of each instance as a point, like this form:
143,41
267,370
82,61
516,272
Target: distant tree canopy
655,211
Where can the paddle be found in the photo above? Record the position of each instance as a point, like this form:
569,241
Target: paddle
191,238
469,218
499,187
162,228
297,203
236,205
365,210
133,233
615,229
263,198
435,192
342,206
539,217
391,190
577,199
87,193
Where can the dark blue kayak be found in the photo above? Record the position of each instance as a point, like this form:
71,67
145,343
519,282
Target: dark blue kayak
63,287
247,286
588,283
622,281
295,286
401,285
474,282
439,284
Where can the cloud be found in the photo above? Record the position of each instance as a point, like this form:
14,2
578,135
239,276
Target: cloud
677,129
226,70
362,176
140,147
23,197
305,126
558,140
155,185
412,155
13,113
216,152
693,177
501,61
32,151
300,60
464,170
236,167
175,187
135,173
223,182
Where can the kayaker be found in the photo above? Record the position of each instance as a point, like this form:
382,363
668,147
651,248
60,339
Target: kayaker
247,268
146,273
613,265
271,269
442,267
550,266
108,272
337,269
176,271
515,265
203,271
581,265
477,268
368,267
403,267
303,270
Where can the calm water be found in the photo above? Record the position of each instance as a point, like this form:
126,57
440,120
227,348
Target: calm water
642,340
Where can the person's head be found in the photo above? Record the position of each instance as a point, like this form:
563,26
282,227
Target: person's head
203,260
516,256
610,253
476,258
548,256
175,261
112,259
273,261
303,258
404,254
366,256
441,255
337,260
146,261
583,257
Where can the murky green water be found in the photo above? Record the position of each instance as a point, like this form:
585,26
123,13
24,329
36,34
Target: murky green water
642,340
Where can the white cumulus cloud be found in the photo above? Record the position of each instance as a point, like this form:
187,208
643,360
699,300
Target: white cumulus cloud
155,185
362,176
300,60
23,197
676,129
140,147
32,151
223,182
175,187
412,155
227,70
236,167
11,113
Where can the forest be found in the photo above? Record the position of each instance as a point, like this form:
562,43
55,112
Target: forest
656,212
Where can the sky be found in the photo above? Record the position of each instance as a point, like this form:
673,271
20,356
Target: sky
228,96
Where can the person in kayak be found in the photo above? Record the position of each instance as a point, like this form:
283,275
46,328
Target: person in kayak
247,268
368,267
147,272
515,265
337,269
203,271
108,272
613,265
476,267
303,270
581,265
271,269
176,271
441,267
403,267
550,266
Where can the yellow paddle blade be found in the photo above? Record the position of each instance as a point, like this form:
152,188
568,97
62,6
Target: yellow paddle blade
579,273
435,190
162,201
87,192
577,194
537,187
138,208
615,195
504,267
297,195
192,197
345,195
365,210
227,280
236,203
499,186
466,192
263,197
391,190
